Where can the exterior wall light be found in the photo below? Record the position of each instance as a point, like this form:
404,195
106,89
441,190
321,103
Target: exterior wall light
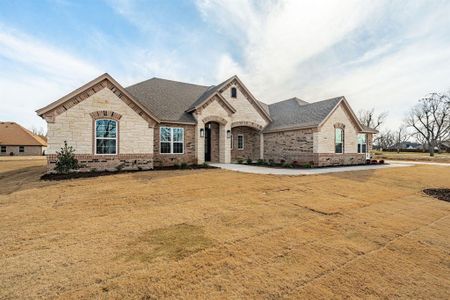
228,133
202,132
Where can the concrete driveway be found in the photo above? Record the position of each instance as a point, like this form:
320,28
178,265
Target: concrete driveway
293,172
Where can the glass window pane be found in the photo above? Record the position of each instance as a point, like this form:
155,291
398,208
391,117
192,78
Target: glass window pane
338,135
106,128
106,146
165,134
178,134
338,148
165,147
177,147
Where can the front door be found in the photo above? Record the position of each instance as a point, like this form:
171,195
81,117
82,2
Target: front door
208,142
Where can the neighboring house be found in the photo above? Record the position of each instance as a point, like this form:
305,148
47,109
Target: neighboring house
161,122
16,140
407,146
445,146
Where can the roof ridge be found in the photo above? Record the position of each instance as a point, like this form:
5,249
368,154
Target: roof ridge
171,80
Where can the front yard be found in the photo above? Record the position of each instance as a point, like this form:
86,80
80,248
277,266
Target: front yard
413,156
222,234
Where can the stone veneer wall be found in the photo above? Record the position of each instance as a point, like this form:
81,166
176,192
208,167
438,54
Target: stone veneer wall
251,143
293,145
189,157
118,162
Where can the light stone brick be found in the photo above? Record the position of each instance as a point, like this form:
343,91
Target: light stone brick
76,126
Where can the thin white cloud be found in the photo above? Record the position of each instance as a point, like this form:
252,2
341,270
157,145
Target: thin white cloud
34,73
24,49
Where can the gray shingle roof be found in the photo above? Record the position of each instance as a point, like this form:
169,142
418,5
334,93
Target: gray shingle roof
294,112
168,99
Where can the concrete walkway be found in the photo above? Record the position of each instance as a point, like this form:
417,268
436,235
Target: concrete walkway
293,172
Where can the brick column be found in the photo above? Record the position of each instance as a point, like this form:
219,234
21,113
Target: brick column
200,142
224,144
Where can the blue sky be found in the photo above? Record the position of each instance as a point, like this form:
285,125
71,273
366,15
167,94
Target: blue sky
381,54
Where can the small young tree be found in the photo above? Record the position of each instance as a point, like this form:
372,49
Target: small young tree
65,160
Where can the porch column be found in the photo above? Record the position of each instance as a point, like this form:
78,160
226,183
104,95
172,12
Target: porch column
200,142
261,145
224,144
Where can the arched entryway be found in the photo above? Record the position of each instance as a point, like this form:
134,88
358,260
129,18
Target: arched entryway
212,142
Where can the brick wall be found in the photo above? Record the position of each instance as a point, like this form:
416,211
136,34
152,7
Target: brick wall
251,143
333,159
294,145
91,162
189,157
215,155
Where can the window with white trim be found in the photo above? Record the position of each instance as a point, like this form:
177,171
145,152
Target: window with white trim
362,143
105,136
21,149
3,149
240,141
339,140
171,140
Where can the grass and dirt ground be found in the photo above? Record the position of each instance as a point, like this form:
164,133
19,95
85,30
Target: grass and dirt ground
222,234
413,156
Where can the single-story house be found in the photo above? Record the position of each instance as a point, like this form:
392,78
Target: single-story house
16,140
161,122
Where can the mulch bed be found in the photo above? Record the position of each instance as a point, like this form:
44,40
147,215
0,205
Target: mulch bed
75,175
441,194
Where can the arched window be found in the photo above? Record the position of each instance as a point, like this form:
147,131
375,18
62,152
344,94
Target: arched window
339,140
105,136
233,92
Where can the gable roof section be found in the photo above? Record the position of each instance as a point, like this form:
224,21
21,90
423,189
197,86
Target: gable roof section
168,99
295,113
216,90
12,134
103,81
350,111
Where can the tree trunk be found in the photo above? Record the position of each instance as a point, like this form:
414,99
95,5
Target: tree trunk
431,149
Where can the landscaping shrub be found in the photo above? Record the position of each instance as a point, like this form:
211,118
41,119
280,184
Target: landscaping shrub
260,162
295,163
240,161
65,160
307,166
282,161
286,165
183,165
367,161
249,161
381,161
374,161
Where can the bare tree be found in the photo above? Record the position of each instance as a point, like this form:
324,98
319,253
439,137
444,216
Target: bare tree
385,139
401,135
369,118
430,119
39,132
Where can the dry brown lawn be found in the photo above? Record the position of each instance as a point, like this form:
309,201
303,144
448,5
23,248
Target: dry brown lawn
221,234
414,156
